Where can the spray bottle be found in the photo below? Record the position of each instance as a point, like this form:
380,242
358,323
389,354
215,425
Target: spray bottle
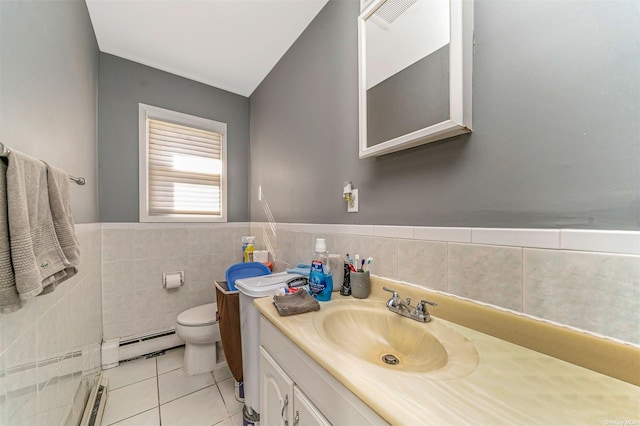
247,248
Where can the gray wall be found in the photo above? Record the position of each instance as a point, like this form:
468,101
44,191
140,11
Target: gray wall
49,65
555,142
124,84
48,90
413,98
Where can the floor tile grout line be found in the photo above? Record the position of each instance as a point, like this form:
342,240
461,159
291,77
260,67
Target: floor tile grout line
135,414
216,381
129,384
131,416
168,371
229,414
226,404
187,394
158,392
126,363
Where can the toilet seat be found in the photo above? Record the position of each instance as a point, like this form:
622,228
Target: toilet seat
199,316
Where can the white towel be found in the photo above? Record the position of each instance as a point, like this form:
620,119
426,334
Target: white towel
38,261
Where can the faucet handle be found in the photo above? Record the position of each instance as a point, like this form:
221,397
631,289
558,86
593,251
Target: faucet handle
395,293
421,309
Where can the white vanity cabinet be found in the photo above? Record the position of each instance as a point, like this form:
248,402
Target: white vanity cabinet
296,390
281,401
276,388
304,412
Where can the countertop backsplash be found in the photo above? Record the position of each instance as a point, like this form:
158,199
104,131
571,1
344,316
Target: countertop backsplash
587,279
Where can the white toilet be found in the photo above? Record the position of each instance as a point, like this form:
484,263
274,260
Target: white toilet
199,328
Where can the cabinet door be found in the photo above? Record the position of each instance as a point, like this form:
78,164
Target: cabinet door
304,412
276,393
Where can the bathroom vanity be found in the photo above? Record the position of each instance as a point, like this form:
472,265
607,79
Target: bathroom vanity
294,386
309,375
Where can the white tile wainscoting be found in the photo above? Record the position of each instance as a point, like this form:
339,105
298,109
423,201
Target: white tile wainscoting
587,279
50,349
134,256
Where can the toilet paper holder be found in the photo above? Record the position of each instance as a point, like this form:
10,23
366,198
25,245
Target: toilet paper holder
172,279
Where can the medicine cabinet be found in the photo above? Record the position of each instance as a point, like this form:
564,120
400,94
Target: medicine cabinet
415,65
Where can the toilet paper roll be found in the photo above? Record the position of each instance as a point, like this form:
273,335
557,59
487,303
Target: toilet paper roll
173,279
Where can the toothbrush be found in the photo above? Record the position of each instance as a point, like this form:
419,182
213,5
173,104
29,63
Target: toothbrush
357,260
351,267
369,260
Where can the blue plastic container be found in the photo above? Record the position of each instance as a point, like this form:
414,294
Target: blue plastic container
244,270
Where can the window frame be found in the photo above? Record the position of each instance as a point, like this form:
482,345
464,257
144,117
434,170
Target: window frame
148,111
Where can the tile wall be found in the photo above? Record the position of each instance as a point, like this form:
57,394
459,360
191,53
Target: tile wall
134,256
585,279
50,349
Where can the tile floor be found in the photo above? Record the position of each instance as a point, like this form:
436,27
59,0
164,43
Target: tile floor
156,392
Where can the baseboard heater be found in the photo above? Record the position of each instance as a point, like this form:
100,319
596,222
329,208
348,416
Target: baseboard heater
94,409
116,350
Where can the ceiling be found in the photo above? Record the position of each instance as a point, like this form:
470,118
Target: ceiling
229,44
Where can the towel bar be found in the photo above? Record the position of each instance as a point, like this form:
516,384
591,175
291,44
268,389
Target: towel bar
4,152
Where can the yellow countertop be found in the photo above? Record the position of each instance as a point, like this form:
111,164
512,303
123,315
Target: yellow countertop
510,385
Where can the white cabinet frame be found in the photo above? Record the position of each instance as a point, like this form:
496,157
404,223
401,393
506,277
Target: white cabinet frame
460,84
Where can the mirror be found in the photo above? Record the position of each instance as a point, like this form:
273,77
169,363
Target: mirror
415,63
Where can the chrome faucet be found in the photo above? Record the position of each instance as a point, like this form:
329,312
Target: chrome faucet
417,313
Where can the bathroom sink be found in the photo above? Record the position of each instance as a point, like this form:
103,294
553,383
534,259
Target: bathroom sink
372,334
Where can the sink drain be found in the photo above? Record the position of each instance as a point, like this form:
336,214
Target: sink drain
390,359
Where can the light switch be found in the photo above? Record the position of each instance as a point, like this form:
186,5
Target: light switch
352,206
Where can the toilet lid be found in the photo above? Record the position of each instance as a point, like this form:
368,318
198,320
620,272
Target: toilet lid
200,315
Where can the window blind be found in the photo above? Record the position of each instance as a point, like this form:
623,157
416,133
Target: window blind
185,170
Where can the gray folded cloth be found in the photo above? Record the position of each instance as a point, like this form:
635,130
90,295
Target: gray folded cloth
295,303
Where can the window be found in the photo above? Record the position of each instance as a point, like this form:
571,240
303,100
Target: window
182,167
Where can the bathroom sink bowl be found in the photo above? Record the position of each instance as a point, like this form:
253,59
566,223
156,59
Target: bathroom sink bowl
383,339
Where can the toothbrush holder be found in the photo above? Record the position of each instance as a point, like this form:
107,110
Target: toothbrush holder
360,284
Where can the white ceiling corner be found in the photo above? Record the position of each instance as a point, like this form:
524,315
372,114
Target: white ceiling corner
229,44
